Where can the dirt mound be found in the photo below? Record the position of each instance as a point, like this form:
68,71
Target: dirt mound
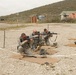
35,60
50,50
72,39
39,58
71,45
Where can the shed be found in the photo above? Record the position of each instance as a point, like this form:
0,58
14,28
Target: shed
68,15
34,18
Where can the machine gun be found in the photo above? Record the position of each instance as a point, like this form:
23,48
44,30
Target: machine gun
49,34
27,38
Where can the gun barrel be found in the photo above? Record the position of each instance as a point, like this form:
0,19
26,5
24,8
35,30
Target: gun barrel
55,33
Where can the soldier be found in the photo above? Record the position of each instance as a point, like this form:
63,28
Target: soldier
24,45
46,36
37,40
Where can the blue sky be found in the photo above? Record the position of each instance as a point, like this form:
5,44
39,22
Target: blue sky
12,6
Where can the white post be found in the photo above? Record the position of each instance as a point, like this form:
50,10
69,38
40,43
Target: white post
4,40
17,18
48,26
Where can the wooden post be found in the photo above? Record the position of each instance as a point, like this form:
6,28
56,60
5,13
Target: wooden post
4,40
48,26
17,18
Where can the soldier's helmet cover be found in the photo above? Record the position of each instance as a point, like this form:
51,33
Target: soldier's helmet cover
23,35
34,31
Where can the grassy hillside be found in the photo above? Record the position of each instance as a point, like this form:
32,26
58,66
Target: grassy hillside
52,12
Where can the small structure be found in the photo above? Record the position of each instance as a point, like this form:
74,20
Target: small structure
65,15
41,17
34,19
1,19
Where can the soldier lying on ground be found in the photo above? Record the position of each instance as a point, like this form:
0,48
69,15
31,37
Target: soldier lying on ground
24,45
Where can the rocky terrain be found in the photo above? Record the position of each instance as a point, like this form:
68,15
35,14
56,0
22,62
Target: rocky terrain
66,54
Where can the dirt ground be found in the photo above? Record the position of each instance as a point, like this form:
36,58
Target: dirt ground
66,53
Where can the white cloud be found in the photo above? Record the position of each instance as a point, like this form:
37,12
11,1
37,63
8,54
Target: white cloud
12,6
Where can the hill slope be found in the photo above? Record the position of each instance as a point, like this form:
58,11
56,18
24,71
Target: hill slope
52,11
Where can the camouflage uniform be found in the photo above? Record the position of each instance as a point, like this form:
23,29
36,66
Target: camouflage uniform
45,36
24,46
36,40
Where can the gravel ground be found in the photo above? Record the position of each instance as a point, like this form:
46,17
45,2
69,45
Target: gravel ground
66,54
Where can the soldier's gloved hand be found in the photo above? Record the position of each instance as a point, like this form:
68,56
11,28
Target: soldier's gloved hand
35,36
31,39
24,42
